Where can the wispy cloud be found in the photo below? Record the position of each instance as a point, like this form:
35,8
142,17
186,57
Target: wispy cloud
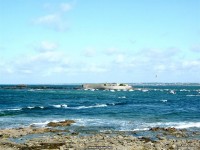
55,20
89,52
46,46
94,68
52,21
49,61
65,7
196,48
111,51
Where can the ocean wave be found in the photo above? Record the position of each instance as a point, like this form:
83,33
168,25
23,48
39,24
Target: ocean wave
88,107
141,129
127,125
93,106
33,90
122,97
14,109
40,124
22,108
188,125
33,107
43,124
177,125
120,103
192,95
163,100
60,106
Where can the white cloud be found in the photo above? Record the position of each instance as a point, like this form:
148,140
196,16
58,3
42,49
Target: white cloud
50,62
46,46
196,48
57,19
159,54
6,68
65,7
94,68
54,21
111,51
120,58
191,65
160,68
89,52
48,19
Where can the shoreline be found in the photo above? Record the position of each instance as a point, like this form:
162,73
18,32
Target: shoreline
53,137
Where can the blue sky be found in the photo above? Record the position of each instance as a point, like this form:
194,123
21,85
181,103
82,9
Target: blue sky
77,41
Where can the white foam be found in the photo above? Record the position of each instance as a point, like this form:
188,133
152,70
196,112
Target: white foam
184,90
57,106
122,97
31,90
60,106
141,129
172,92
192,95
177,125
85,107
40,124
30,107
188,125
164,100
43,124
145,90
14,109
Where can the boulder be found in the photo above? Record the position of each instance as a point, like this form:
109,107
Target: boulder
61,123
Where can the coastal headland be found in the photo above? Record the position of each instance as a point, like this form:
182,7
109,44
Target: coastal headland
51,137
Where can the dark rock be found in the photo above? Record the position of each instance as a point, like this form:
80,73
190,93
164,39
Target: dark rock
61,123
146,139
74,133
171,130
156,129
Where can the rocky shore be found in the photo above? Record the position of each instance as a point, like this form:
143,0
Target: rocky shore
51,137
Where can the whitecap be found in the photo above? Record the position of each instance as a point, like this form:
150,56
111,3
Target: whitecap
177,125
31,90
85,107
64,106
57,106
92,89
40,124
145,90
141,129
30,107
172,92
164,100
43,124
188,125
14,109
60,106
122,97
192,95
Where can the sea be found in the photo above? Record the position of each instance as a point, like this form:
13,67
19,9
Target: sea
148,105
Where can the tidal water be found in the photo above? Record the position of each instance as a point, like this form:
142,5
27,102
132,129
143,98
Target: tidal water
149,105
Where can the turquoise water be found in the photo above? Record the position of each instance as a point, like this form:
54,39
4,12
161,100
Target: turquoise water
145,107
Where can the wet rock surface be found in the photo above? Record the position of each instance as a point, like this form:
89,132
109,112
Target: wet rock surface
61,123
106,141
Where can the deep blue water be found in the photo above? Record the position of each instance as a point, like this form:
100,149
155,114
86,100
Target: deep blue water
158,105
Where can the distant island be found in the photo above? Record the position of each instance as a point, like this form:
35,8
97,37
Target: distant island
107,86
